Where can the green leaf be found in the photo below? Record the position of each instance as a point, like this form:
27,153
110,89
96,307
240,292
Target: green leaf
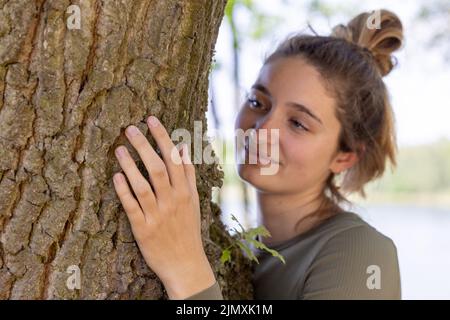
248,251
258,231
247,237
262,246
226,256
229,8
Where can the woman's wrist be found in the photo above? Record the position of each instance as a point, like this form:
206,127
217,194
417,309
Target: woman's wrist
192,279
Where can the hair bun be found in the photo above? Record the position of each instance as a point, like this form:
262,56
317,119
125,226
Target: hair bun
379,31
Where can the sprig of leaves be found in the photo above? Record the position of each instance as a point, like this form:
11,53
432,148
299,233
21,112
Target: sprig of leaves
249,236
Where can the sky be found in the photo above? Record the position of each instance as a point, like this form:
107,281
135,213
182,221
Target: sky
419,86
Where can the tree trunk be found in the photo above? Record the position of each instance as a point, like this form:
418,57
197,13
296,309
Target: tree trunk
66,95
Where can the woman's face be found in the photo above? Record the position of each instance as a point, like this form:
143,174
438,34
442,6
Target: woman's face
289,95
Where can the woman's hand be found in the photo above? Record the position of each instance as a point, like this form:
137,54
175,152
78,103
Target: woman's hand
166,220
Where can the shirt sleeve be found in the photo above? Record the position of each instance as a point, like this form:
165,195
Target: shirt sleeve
358,263
211,293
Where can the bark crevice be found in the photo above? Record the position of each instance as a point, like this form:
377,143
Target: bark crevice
65,98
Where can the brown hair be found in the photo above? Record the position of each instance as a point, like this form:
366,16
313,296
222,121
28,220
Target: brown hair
352,62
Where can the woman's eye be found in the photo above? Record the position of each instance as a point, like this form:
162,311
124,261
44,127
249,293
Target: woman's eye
298,124
254,103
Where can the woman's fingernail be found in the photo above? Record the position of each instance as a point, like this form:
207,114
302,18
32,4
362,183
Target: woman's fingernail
118,178
120,151
152,121
132,131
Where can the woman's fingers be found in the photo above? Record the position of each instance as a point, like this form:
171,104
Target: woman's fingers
139,184
189,169
169,152
155,166
129,203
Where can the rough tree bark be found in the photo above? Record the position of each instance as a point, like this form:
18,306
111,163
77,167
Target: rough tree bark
66,96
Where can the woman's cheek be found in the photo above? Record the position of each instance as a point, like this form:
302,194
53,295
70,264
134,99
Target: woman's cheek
305,156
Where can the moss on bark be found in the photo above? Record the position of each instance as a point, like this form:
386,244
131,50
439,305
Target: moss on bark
66,96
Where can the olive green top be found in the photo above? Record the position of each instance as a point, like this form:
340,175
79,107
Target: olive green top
342,258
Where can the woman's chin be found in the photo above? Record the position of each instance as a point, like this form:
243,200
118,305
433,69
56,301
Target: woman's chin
253,174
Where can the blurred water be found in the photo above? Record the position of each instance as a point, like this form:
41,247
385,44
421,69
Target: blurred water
421,235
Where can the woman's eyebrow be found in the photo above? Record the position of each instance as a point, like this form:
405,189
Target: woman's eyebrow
297,106
304,109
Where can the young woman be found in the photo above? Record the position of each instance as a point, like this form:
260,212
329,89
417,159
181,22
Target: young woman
327,98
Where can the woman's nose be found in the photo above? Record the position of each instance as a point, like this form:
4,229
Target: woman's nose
267,127
267,121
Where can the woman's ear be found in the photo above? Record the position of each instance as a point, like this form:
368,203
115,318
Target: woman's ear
345,160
